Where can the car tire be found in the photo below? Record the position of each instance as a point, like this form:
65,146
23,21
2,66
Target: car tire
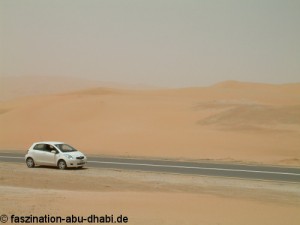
30,162
62,165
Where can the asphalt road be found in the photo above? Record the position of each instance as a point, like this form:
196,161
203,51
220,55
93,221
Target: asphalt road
286,174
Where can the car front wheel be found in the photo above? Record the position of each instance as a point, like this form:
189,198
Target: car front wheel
30,163
62,164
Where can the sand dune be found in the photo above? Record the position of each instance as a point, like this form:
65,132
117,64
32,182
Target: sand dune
24,86
16,87
231,121
255,116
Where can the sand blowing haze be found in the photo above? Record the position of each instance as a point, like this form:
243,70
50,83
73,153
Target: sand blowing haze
146,87
230,121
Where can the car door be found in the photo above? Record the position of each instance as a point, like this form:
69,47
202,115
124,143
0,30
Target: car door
48,157
38,153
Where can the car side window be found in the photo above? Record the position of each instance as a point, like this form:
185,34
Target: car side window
40,147
44,147
49,148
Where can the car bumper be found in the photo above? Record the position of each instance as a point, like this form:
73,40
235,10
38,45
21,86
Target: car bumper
76,163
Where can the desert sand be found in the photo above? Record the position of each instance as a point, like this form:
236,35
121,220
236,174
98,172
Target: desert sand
229,121
146,198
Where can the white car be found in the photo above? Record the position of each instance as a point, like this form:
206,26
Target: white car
50,153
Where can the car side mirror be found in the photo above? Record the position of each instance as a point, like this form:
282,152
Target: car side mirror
53,151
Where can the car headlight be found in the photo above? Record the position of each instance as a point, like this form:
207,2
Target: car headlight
69,156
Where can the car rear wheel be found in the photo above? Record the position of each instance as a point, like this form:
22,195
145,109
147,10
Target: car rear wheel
30,163
62,164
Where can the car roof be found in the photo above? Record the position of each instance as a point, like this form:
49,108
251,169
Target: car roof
49,142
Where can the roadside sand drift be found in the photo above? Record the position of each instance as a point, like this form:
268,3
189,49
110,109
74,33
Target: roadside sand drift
146,198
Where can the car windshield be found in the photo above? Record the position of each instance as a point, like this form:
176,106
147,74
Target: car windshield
65,148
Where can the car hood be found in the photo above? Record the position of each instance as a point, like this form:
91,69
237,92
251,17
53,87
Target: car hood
74,154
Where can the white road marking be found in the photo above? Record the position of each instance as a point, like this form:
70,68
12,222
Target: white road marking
172,166
192,167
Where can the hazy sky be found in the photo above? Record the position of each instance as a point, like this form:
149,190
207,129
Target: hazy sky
155,42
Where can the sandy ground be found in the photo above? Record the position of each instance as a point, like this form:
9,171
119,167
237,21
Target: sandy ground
230,121
146,198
